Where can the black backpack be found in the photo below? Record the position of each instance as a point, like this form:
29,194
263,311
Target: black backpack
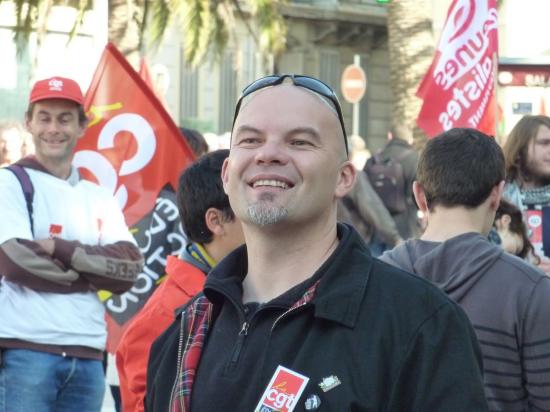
27,187
388,180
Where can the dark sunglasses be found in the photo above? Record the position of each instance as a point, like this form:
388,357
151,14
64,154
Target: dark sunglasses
310,83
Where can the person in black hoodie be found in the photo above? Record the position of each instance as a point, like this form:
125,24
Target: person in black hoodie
460,180
302,317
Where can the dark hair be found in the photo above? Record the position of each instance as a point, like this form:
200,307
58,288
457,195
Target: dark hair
196,141
517,226
517,144
82,118
460,167
200,187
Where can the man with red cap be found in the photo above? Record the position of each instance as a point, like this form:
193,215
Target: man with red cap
63,238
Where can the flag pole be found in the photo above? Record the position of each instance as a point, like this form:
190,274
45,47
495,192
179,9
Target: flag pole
499,139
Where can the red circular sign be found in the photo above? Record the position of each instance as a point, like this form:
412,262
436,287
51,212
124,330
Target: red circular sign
354,83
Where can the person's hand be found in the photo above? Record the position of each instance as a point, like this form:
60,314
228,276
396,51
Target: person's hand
48,245
544,265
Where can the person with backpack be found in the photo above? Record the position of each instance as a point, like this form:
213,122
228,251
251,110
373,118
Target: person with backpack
62,240
391,172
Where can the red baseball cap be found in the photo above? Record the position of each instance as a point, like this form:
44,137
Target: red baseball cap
56,88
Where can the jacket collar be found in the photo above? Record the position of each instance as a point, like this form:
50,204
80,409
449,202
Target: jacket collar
344,283
340,291
189,279
397,141
196,255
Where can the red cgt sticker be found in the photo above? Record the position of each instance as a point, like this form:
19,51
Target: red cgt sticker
55,230
283,391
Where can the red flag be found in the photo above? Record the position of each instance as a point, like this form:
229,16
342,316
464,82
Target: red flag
133,148
458,89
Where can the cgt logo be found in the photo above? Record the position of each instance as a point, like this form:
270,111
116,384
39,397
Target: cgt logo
280,399
102,168
56,85
283,391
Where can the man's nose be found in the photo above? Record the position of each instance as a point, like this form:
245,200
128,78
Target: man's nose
53,126
272,152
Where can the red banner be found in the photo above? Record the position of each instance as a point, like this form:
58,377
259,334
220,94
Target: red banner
458,89
133,148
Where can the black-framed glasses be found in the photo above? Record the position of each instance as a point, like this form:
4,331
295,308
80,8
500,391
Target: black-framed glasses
307,82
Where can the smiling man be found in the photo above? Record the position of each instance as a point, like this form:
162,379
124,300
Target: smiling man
302,317
61,240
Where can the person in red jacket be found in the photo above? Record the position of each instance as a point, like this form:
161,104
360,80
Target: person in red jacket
213,232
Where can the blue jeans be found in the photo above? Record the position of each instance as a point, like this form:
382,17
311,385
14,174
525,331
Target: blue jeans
39,381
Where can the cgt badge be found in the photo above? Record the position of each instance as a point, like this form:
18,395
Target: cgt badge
283,391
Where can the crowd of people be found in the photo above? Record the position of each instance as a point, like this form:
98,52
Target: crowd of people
420,283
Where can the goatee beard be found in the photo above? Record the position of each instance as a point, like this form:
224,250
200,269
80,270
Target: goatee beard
264,214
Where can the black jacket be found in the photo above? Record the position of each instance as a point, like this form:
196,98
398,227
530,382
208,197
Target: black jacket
406,222
394,341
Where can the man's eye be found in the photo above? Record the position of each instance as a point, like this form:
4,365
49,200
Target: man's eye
249,140
301,143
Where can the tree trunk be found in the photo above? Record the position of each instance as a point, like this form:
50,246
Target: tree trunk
125,23
411,48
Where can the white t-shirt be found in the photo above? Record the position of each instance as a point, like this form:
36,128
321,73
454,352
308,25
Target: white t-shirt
72,209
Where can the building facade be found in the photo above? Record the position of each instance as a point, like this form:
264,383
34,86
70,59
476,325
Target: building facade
324,36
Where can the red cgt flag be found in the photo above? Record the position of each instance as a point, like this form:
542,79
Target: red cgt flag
458,89
133,148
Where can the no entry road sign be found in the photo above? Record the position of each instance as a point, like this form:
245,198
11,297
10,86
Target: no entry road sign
354,83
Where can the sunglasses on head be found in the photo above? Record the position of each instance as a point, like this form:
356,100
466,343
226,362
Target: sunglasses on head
310,83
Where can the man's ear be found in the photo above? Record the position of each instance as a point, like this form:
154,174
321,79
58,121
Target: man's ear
496,195
224,174
420,197
83,126
27,123
346,179
214,221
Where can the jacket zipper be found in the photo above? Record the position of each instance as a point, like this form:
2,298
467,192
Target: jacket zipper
287,313
240,342
180,354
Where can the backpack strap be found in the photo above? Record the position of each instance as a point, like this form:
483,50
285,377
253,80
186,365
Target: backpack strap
27,187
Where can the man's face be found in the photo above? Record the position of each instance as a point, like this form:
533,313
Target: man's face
287,159
55,129
538,156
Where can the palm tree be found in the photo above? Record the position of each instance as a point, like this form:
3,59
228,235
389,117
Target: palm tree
33,16
206,25
126,27
411,49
